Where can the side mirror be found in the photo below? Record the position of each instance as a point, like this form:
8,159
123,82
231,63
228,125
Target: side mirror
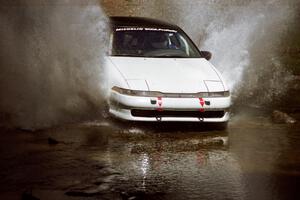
206,54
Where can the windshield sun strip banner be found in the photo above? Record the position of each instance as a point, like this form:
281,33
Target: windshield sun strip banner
145,29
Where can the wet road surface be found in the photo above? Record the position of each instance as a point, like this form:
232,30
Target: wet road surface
252,159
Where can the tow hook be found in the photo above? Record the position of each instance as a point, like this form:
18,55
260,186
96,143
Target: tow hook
201,119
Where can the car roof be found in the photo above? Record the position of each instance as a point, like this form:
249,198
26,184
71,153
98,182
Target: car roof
119,21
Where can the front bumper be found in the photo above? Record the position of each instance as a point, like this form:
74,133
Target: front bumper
151,109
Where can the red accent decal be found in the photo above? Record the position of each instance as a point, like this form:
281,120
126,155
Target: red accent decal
159,102
201,101
202,110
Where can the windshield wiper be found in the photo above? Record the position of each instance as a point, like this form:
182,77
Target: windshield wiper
127,55
170,56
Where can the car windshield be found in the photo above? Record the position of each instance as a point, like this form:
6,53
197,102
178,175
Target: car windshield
152,42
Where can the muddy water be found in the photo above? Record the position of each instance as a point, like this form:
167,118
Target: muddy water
253,159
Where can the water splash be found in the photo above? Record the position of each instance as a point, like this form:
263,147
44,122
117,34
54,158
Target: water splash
51,51
51,54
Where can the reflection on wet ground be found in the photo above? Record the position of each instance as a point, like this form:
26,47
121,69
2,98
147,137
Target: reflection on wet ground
253,159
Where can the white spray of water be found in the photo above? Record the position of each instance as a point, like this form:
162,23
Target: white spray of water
51,54
51,50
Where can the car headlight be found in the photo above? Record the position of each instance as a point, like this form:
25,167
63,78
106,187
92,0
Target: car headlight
137,92
170,95
219,94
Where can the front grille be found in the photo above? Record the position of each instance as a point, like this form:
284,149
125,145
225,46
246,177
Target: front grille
172,113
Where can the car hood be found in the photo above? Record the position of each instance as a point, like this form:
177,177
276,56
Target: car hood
181,75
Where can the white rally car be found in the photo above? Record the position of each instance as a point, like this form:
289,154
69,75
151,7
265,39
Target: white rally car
156,73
